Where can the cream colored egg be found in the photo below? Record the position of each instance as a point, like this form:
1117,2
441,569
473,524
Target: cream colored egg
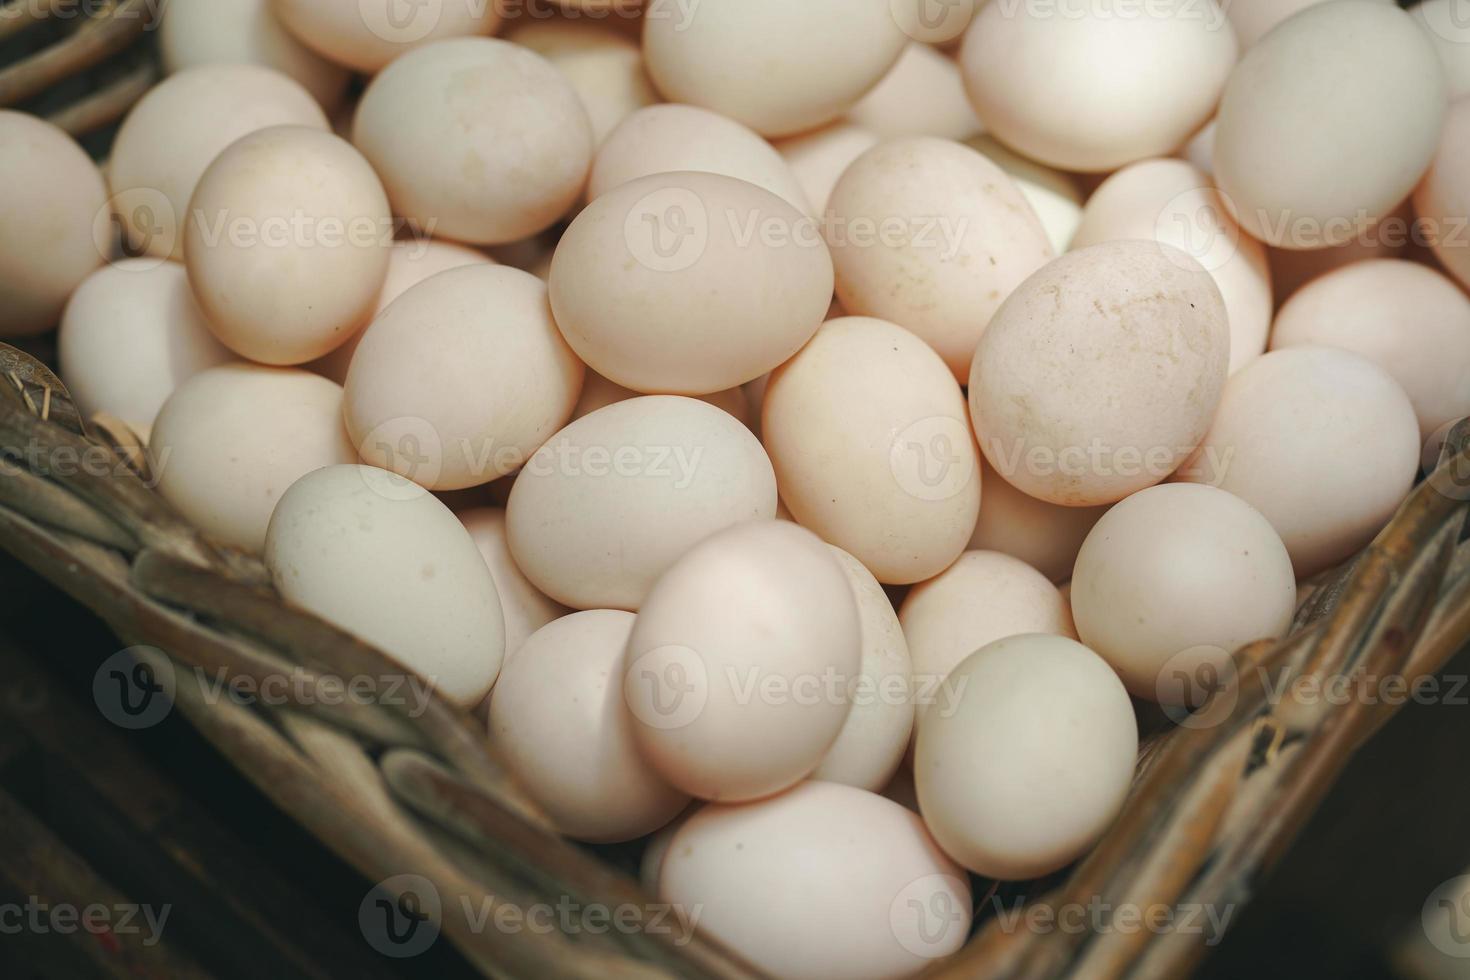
778,67
1053,195
1174,580
922,95
51,198
1034,761
558,718
243,32
688,283
931,235
1200,150
823,881
1045,536
651,865
410,262
665,138
1442,201
381,558
175,132
817,159
461,378
476,139
525,608
1101,373
603,64
598,392
1086,88
1304,418
737,670
230,440
368,34
1407,318
867,432
872,742
983,597
1447,28
1291,115
1173,202
614,499
130,335
287,244
1387,239
1254,19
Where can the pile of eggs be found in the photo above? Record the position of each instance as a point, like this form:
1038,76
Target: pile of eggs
806,429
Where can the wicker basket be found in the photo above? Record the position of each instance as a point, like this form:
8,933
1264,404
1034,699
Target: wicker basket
405,798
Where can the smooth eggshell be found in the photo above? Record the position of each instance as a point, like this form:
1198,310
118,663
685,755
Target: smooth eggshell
1034,761
558,718
526,609
381,558
175,132
1173,202
1100,374
778,67
366,35
1447,28
738,666
819,158
1290,115
130,335
287,244
823,881
1323,442
688,283
1174,580
614,499
603,64
922,95
1052,194
230,440
461,378
1045,536
1407,318
1254,19
931,235
1442,201
665,138
1088,88
476,139
866,430
598,392
51,199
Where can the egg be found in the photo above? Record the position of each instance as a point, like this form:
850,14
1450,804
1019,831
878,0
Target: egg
823,881
230,440
780,68
1254,19
651,864
524,607
1444,23
1407,318
931,235
866,430
1290,115
689,283
598,392
1101,373
1200,150
1174,580
1172,202
175,132
1093,89
1052,194
130,335
1032,764
381,558
367,35
52,198
558,718
603,64
1043,535
1386,239
1442,201
476,139
244,32
1300,419
871,744
665,138
983,597
737,670
922,95
817,159
612,501
461,378
301,211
